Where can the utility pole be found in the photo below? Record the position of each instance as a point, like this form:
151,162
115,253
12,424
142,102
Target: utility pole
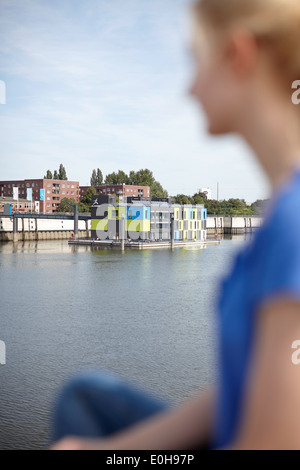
75,219
218,192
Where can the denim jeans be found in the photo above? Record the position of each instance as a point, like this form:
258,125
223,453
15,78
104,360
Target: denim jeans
96,404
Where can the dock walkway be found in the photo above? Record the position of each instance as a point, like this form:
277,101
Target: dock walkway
140,245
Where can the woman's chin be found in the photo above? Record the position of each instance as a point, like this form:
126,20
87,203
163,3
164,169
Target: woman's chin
218,129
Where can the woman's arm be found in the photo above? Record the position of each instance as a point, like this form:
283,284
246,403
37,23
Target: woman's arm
187,427
271,416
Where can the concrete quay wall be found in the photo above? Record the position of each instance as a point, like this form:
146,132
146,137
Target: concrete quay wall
232,225
29,229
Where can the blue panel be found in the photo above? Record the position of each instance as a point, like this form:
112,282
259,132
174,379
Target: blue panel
204,214
147,213
135,213
176,235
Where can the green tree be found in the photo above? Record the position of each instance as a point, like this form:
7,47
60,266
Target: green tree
157,191
213,207
182,199
93,179
116,178
86,201
62,174
258,207
99,177
142,178
55,175
199,198
63,207
48,175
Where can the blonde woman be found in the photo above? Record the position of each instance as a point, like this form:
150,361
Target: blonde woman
247,56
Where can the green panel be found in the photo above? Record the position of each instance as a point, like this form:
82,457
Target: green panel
99,224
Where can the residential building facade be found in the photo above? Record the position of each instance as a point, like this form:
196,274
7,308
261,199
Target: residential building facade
123,190
46,194
9,206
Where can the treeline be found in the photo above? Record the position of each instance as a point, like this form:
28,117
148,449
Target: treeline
231,207
145,177
61,174
142,177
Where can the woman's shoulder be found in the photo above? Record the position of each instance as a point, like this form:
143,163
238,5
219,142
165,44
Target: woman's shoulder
282,217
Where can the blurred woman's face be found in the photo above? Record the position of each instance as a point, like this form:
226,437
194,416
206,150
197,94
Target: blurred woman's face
213,84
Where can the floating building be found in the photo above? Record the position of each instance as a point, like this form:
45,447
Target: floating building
142,219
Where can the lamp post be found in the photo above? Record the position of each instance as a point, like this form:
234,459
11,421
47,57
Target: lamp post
75,219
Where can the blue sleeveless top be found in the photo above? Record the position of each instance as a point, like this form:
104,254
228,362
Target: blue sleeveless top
269,265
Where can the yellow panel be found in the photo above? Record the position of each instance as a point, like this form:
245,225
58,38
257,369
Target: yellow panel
137,225
99,224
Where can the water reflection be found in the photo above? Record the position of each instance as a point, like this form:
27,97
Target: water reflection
147,315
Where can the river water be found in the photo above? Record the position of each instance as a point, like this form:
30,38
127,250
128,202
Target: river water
149,316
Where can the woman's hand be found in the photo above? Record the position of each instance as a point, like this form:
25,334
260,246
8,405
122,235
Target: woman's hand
78,443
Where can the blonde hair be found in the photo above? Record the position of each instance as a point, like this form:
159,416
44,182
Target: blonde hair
275,24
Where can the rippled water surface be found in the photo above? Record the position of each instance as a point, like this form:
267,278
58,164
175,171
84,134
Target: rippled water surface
147,315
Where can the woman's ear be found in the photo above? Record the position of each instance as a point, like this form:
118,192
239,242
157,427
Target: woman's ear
241,53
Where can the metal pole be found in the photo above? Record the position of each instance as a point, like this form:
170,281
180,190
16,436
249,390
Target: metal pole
75,222
172,231
15,228
122,233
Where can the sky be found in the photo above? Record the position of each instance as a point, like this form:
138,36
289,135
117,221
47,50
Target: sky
104,84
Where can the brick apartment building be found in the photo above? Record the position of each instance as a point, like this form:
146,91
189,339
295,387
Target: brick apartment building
22,205
46,194
118,190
